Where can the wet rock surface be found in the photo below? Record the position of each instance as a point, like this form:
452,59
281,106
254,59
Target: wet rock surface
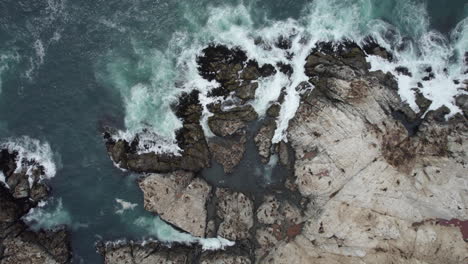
21,192
365,186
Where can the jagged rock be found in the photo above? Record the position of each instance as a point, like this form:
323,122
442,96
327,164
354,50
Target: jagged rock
263,139
422,102
191,139
178,198
228,123
224,65
23,191
371,47
328,56
228,152
236,212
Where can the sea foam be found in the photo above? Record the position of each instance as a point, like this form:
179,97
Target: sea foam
167,73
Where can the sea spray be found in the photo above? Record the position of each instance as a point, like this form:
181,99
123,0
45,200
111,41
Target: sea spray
174,70
31,154
167,234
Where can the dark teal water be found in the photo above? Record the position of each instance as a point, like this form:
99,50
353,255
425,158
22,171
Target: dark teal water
66,68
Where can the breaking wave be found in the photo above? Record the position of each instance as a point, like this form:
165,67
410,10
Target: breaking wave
31,155
150,79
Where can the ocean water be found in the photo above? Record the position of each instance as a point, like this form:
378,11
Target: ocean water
69,67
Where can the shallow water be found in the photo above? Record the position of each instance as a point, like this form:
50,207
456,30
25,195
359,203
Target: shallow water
69,67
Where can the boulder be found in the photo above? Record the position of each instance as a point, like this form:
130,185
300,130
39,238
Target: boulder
178,198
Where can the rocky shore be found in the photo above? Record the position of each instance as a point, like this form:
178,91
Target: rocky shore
21,190
368,180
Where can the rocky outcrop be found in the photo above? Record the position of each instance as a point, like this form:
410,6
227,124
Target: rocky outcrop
178,198
22,191
190,138
372,186
373,181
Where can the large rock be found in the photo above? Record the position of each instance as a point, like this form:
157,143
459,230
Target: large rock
236,213
178,198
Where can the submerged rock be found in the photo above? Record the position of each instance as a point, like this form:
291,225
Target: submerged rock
232,70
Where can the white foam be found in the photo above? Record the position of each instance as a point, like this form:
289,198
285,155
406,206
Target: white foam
31,151
174,70
124,206
48,215
167,234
